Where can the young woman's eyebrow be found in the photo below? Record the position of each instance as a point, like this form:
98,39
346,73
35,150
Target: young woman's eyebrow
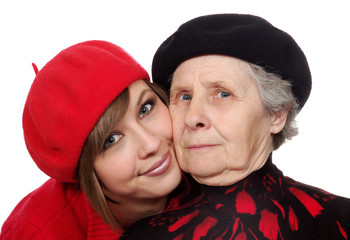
141,96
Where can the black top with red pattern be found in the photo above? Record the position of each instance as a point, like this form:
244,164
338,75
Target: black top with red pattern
265,205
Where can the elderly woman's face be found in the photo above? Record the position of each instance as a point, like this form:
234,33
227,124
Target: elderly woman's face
221,130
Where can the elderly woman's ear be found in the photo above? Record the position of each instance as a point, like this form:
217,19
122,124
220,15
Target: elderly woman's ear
278,120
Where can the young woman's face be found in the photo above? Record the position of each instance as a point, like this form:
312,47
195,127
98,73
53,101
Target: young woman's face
138,160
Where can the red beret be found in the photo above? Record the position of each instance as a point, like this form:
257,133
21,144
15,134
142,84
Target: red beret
247,37
67,98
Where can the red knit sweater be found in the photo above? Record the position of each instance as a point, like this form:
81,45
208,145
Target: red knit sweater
58,210
55,210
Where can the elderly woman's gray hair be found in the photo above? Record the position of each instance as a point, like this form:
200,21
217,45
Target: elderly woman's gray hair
277,96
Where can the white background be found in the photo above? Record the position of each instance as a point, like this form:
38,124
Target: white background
35,31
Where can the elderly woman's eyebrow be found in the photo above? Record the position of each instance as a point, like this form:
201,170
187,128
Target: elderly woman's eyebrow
216,83
176,88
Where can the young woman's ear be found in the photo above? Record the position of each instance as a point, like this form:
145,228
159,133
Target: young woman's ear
278,120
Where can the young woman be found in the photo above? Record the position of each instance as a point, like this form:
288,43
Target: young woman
95,124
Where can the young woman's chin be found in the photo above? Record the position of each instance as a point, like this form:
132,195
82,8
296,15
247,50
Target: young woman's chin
163,184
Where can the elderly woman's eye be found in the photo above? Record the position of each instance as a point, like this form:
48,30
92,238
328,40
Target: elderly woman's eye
185,97
222,94
111,140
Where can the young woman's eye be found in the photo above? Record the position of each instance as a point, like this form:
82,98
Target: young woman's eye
111,140
185,97
222,94
146,108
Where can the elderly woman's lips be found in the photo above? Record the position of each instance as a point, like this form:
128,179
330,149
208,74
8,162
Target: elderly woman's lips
201,146
159,167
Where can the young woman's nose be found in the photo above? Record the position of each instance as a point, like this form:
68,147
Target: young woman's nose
149,143
196,116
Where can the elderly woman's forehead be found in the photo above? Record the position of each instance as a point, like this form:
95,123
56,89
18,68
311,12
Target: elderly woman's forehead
212,71
211,68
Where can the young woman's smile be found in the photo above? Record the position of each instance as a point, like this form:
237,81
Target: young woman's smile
159,167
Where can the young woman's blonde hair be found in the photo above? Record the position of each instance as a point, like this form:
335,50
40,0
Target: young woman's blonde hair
87,176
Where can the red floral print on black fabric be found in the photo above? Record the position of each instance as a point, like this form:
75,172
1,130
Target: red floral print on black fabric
245,203
202,229
293,220
269,224
311,204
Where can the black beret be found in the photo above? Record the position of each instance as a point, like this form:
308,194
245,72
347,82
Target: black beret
247,37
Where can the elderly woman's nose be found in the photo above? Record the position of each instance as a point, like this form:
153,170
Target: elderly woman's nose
196,115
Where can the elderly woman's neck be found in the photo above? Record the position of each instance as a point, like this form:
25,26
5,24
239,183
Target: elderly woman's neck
128,211
233,175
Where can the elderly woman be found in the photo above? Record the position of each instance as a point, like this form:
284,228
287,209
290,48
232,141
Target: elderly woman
236,85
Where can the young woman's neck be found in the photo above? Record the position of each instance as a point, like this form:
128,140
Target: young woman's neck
129,211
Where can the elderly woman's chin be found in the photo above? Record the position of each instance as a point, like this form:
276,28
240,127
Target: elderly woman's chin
220,171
